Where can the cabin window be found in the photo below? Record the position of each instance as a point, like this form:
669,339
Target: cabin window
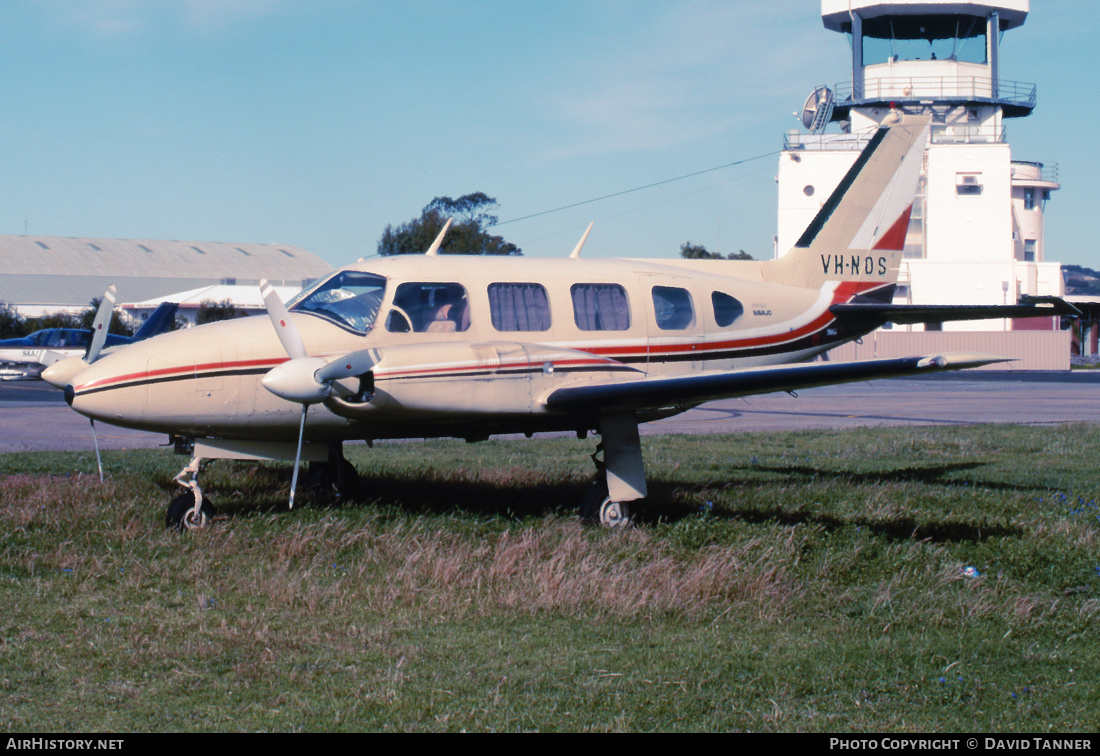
350,299
726,309
600,307
519,307
429,308
673,308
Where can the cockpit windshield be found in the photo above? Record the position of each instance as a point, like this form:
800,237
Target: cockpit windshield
350,299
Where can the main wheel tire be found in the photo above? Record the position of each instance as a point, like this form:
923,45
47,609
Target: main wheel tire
327,480
614,514
592,500
181,514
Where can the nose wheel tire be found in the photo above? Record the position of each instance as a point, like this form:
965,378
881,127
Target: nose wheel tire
182,515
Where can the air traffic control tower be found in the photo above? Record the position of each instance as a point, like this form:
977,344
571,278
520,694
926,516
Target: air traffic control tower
976,232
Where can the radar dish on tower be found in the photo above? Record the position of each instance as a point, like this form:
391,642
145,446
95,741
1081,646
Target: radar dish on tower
818,110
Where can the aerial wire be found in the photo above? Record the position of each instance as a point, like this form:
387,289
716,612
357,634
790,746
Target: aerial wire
637,189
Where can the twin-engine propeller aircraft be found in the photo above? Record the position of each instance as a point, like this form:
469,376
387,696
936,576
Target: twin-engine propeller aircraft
468,347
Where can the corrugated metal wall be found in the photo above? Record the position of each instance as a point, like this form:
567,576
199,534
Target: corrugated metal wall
1033,350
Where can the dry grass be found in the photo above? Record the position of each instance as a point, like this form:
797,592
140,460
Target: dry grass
808,585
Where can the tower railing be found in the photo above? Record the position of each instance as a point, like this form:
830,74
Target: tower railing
906,88
960,133
1046,171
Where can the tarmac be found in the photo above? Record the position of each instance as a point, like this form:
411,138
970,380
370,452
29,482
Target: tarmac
34,416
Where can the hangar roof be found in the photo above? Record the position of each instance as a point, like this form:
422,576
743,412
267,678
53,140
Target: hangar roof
48,270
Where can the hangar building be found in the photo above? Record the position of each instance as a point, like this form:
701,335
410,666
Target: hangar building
41,274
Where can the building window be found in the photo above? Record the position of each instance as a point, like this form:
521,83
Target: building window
968,184
1029,198
1030,246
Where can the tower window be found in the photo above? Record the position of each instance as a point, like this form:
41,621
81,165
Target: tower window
968,184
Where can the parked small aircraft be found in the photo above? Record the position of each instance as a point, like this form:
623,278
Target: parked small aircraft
440,346
28,356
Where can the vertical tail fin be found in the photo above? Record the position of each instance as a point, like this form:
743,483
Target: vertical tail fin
859,233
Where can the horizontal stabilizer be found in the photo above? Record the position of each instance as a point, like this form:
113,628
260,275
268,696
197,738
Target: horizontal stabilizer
660,392
871,315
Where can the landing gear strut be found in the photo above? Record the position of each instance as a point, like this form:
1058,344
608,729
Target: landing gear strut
596,503
336,477
190,510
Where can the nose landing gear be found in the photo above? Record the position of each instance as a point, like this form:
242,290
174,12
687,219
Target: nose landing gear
190,510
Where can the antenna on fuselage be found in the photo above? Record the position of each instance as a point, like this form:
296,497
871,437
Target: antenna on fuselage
576,253
434,249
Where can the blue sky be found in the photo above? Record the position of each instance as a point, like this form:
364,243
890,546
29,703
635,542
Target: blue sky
317,122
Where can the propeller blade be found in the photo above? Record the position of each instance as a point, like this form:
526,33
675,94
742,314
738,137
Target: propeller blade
284,326
356,363
101,325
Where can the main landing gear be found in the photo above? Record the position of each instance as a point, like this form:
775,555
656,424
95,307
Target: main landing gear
596,503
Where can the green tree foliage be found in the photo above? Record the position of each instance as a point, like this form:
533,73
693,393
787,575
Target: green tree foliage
690,251
472,214
210,312
11,322
14,325
1081,281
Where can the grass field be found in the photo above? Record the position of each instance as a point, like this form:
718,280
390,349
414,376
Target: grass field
774,582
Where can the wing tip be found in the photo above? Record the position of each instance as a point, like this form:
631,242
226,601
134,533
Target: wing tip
961,361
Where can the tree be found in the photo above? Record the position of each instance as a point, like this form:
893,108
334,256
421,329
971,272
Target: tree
467,235
11,322
690,251
210,311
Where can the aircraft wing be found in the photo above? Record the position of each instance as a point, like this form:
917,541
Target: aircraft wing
870,315
672,391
